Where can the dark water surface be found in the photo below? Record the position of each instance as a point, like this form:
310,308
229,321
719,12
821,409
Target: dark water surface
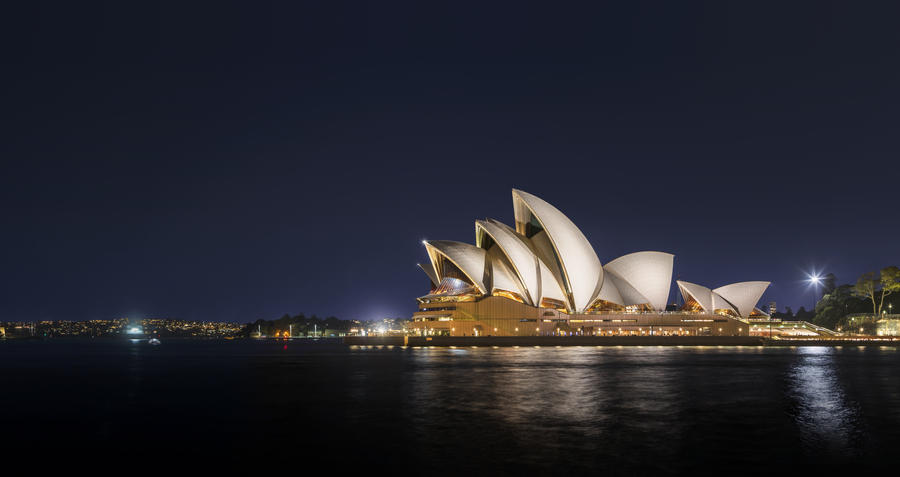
616,410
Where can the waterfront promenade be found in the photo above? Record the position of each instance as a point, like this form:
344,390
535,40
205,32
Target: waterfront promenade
615,341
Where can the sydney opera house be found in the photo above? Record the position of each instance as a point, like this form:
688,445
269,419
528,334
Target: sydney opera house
543,277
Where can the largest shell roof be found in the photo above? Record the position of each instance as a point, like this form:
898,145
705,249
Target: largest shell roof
547,257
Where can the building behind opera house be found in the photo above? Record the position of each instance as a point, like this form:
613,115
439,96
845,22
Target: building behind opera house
543,278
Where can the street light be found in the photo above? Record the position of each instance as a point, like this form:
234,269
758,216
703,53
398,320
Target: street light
814,279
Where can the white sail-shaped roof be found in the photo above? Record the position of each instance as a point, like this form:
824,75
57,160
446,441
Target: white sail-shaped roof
502,277
550,288
757,311
609,292
650,273
579,268
743,295
429,270
699,293
468,258
740,298
543,249
547,256
630,295
517,252
549,285
720,303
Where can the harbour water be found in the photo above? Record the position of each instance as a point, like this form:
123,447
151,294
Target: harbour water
619,410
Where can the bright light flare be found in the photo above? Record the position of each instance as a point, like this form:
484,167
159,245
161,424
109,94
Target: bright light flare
814,278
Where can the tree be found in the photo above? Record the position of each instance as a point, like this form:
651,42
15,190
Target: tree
890,283
832,308
874,287
829,283
867,287
804,315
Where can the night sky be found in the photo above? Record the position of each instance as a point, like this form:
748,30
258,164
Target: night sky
230,162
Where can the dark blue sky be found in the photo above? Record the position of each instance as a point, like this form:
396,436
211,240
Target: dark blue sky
228,161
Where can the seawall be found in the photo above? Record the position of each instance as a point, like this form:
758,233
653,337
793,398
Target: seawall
466,341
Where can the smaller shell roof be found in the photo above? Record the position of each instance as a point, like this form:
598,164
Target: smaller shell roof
699,293
739,297
429,270
520,256
650,273
609,292
629,294
720,303
743,295
468,258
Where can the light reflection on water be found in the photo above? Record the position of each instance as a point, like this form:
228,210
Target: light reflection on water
828,421
670,408
606,401
613,410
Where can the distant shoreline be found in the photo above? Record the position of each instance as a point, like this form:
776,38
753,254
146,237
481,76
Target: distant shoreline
514,341
165,338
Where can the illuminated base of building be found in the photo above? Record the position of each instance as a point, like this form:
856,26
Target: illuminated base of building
775,328
499,316
888,326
